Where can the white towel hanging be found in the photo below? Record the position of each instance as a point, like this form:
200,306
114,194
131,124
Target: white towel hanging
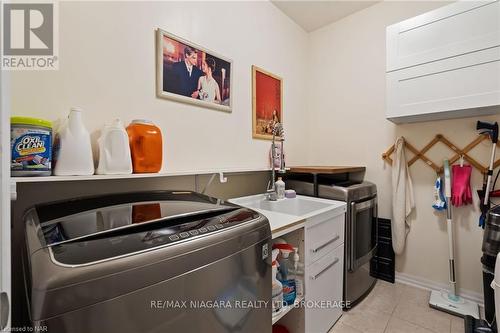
403,200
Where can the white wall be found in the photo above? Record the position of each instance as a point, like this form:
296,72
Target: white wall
107,66
347,126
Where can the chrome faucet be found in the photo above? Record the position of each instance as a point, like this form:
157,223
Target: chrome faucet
278,135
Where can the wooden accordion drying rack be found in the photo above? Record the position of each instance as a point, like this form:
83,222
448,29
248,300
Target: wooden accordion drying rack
420,154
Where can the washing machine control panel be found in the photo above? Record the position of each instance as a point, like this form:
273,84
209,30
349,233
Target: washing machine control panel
147,236
201,227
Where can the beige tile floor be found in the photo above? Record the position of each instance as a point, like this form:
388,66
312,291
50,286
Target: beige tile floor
397,308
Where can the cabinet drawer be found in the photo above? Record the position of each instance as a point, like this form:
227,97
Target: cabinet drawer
324,281
323,235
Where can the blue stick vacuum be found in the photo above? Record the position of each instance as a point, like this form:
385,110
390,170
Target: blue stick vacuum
449,301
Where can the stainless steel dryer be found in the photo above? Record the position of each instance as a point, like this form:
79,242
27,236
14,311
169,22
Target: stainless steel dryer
148,262
360,236
360,229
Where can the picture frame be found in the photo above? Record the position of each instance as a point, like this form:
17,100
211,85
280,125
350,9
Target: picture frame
267,102
189,73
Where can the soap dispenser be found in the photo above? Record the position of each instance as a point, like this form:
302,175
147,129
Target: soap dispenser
280,188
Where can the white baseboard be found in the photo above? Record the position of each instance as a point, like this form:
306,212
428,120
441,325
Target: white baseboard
426,284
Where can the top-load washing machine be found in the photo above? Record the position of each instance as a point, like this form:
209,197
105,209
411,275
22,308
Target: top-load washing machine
148,262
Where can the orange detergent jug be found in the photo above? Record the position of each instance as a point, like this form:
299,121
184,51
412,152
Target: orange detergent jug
145,146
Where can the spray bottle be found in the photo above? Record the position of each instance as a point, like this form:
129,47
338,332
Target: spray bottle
277,287
298,273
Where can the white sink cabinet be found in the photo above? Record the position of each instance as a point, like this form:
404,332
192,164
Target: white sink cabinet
316,226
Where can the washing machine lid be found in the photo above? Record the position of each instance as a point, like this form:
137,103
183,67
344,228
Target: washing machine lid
89,230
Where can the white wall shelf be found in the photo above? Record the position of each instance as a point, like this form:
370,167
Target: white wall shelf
15,180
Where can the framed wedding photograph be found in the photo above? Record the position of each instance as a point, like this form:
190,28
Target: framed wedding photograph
267,103
189,73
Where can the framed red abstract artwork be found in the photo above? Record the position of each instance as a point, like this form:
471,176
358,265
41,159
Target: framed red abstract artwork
267,98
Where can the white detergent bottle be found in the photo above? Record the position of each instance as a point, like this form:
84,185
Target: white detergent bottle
73,151
114,151
280,188
298,272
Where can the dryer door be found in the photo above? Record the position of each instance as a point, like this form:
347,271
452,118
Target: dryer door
363,220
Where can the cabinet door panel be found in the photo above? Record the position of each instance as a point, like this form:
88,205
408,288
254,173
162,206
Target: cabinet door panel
457,29
459,83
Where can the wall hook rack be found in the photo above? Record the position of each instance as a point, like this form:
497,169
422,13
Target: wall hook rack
459,153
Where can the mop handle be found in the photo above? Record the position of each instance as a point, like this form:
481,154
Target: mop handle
451,260
447,179
449,226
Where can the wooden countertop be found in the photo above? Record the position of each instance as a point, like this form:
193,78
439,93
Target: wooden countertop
331,170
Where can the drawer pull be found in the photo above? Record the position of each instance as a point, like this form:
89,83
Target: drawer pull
325,244
314,277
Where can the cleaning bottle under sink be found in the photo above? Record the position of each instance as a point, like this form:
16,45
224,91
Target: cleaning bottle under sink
287,279
297,272
277,287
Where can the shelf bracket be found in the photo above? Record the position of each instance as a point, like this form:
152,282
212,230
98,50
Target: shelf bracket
222,180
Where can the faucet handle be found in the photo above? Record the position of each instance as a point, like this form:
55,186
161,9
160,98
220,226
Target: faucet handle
270,187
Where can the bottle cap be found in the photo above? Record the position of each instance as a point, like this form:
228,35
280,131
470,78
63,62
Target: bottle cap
76,109
117,122
142,121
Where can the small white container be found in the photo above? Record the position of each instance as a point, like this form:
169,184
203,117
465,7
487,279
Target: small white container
114,151
298,272
280,188
73,151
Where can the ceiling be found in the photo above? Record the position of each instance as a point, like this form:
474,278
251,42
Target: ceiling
312,15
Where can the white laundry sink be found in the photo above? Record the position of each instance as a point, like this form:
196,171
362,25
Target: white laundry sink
288,214
299,206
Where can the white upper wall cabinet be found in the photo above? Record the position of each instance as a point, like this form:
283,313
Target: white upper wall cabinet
445,63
